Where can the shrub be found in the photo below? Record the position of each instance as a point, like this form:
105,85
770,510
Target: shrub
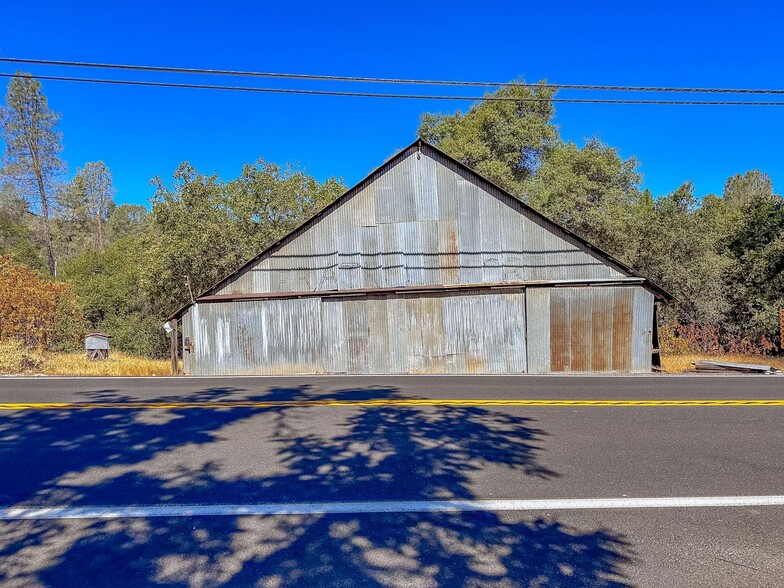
707,339
41,313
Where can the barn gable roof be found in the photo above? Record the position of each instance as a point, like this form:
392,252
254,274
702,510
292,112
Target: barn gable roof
416,146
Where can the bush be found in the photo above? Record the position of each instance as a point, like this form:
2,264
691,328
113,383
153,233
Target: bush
15,358
41,313
695,338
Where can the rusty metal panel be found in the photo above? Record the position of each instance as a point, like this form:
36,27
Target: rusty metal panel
601,334
537,315
560,331
580,331
623,309
592,329
448,258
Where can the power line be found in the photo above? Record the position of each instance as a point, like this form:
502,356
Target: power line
489,98
330,78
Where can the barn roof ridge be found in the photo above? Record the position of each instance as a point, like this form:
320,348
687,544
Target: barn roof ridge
418,143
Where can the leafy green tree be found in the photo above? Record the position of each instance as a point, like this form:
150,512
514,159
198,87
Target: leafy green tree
85,204
680,250
107,283
205,228
592,191
32,150
754,228
16,238
127,220
504,140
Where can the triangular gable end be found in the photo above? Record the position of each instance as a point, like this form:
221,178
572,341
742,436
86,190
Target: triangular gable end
421,219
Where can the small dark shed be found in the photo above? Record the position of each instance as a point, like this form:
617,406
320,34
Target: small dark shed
97,345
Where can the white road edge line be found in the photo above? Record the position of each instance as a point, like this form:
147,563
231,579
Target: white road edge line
405,506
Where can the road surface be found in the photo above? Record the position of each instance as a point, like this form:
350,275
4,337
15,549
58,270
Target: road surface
392,481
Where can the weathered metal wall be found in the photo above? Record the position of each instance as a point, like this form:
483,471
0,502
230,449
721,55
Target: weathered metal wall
420,221
589,329
467,332
538,330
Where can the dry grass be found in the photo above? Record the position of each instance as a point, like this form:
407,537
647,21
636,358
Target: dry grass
118,364
676,364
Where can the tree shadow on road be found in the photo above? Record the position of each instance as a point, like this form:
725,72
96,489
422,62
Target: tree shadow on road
299,455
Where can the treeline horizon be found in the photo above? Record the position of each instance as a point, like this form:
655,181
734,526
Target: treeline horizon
721,256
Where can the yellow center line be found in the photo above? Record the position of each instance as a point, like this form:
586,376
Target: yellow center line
376,402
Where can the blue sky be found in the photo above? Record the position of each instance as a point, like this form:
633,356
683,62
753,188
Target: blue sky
143,132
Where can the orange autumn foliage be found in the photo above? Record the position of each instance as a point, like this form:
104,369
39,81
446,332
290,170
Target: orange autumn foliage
38,312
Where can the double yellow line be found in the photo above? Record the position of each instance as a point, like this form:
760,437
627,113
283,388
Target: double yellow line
375,402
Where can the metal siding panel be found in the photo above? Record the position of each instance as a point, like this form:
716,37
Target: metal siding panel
580,302
622,329
393,259
538,329
431,255
409,238
356,326
423,179
378,341
372,258
601,333
327,260
333,347
186,321
349,258
469,236
513,318
560,331
397,335
449,260
642,324
491,214
447,192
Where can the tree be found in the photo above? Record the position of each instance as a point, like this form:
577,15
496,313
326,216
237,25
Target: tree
32,150
204,227
503,140
592,191
127,220
87,200
16,238
107,283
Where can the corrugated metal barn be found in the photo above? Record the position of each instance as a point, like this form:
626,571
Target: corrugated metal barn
424,267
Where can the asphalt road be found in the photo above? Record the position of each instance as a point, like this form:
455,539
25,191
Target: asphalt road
281,454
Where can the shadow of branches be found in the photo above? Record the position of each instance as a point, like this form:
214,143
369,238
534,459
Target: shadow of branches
293,454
